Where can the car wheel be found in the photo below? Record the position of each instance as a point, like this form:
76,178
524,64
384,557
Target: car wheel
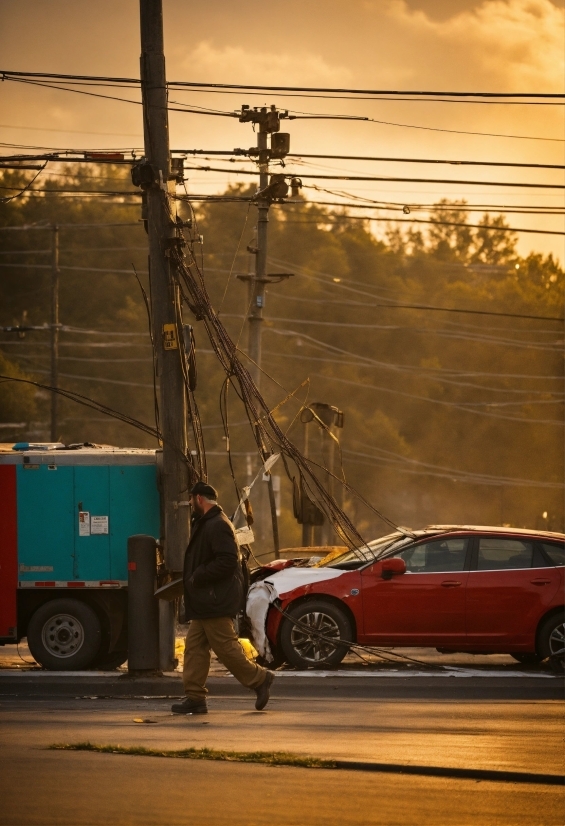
311,634
527,658
551,641
64,635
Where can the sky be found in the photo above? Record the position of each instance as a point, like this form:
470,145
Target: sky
450,45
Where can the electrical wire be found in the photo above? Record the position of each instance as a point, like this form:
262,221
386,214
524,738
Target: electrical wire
267,433
419,373
298,116
485,478
428,160
392,93
337,220
25,188
297,156
328,281
153,350
131,81
468,409
386,179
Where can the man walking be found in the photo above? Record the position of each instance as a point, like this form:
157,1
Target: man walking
213,595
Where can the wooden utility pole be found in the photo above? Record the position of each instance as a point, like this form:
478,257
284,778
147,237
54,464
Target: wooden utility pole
54,330
268,122
155,175
258,282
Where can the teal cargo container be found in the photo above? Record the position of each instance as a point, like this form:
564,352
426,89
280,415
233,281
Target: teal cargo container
65,518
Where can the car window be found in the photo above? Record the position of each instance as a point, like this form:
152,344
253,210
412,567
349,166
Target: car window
555,551
497,554
440,555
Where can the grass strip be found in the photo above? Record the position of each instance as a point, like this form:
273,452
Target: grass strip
267,758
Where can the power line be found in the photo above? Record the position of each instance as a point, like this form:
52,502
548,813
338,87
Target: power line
186,110
240,152
390,92
452,474
71,131
7,73
386,179
337,219
557,422
72,226
420,373
557,211
397,206
428,306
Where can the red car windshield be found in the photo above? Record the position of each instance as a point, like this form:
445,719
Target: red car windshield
370,552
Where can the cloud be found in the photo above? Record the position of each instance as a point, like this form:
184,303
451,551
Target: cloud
207,62
517,44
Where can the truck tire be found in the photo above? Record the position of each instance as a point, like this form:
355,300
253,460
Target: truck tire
302,642
64,635
551,641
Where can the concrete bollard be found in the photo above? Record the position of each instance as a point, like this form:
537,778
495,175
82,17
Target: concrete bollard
143,608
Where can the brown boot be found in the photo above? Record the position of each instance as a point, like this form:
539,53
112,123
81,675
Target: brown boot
264,691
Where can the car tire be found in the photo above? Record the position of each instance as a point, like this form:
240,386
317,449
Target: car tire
64,635
551,640
300,643
527,658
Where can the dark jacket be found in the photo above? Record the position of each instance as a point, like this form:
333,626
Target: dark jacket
212,574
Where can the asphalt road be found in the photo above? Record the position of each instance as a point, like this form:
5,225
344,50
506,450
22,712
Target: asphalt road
347,718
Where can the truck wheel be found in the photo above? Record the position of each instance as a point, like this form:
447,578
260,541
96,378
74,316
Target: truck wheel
311,634
64,635
551,641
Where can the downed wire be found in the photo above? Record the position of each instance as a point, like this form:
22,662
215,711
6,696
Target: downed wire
71,395
267,433
369,649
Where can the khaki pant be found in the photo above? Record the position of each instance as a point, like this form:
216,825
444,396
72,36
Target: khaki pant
216,634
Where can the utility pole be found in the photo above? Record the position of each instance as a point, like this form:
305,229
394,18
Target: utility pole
153,174
54,330
268,122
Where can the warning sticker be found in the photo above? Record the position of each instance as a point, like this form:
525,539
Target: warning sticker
98,524
83,523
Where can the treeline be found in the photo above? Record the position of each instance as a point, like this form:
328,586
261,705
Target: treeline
450,417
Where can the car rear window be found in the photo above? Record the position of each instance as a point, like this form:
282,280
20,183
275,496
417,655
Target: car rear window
555,551
498,554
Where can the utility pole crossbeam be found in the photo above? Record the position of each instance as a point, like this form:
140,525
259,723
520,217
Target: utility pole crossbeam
154,175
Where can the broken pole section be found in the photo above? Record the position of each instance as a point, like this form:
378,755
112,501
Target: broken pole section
154,176
143,611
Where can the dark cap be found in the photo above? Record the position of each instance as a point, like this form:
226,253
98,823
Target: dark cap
203,489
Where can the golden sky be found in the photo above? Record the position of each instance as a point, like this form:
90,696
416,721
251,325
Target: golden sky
466,45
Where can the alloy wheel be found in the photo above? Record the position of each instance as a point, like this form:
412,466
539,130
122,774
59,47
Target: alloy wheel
306,637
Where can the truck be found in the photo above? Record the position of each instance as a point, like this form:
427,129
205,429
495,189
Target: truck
65,518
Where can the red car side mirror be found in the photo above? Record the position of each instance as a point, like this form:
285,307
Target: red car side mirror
392,567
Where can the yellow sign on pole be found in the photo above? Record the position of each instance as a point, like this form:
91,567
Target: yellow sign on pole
170,337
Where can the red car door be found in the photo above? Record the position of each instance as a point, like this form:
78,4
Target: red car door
426,605
510,587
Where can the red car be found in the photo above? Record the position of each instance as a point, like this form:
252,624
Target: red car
456,588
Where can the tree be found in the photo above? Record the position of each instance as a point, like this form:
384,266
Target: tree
17,400
492,242
450,243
